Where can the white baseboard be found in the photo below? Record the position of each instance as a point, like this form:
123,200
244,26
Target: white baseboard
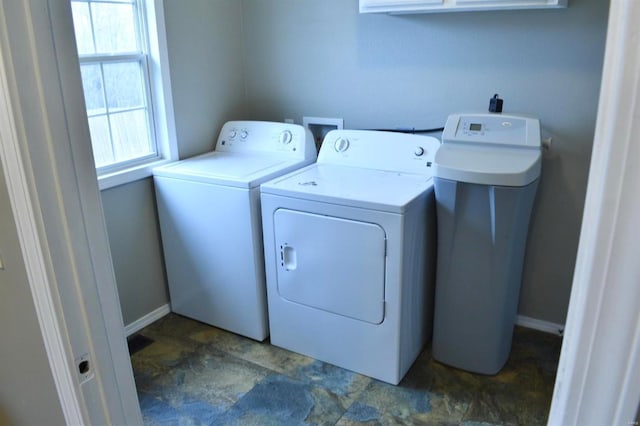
540,325
521,320
152,316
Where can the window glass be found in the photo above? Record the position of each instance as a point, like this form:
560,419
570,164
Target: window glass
93,88
113,63
114,28
130,135
82,27
123,84
101,141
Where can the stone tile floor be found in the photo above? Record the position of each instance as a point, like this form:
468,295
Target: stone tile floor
194,374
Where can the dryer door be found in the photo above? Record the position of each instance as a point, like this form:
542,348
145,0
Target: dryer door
329,263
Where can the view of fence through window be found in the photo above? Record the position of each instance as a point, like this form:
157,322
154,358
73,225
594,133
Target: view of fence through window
115,79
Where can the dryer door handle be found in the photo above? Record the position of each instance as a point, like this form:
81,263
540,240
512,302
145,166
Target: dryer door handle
289,257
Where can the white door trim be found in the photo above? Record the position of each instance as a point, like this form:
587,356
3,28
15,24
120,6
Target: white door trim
600,357
33,249
597,380
48,162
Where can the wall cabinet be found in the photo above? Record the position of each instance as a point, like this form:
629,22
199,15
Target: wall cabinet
431,6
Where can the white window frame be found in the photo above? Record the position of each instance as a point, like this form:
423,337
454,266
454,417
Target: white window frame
159,99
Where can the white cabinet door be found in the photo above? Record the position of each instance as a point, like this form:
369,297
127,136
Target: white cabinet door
430,6
329,263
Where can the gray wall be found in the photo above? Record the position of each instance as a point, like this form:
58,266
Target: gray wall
136,248
273,59
322,58
204,41
28,395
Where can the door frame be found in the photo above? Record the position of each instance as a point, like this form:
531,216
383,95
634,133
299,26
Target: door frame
597,379
51,180
601,350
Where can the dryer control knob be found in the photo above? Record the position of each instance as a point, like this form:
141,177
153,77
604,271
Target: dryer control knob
419,151
244,134
233,134
341,144
286,137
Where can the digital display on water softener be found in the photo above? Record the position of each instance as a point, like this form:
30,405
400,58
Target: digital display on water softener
475,127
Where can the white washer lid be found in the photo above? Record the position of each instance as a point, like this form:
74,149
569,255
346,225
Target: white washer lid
351,186
487,165
245,170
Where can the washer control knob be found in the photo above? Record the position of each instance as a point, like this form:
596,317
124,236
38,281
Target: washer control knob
286,137
419,152
233,134
244,134
341,144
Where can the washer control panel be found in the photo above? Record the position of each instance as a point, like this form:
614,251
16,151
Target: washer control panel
265,137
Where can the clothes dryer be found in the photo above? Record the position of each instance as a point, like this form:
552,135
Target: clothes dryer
209,210
350,252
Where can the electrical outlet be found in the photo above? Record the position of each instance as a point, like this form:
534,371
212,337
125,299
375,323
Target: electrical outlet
320,126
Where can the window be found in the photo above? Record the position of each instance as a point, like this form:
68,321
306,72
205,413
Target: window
121,78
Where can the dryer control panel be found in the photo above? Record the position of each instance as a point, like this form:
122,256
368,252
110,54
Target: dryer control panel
262,137
399,152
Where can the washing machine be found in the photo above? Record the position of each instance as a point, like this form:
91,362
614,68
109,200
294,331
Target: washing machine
350,252
209,212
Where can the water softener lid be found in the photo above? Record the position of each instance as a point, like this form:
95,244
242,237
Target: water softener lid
487,164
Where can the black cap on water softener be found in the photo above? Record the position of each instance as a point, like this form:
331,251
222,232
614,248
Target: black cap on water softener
495,104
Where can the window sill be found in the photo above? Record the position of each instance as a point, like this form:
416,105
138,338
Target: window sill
132,174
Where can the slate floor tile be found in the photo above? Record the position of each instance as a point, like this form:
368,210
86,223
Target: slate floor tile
194,374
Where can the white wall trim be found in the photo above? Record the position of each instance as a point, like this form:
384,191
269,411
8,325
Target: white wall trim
597,381
95,305
42,89
33,247
540,325
146,320
161,79
132,174
161,102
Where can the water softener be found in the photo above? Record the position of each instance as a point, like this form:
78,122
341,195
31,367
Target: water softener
485,177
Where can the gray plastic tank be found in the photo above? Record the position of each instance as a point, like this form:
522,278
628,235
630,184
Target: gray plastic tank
485,177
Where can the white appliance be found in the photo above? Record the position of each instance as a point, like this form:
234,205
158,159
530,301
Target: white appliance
209,209
350,252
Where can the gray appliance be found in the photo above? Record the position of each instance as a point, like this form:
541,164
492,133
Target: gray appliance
485,178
